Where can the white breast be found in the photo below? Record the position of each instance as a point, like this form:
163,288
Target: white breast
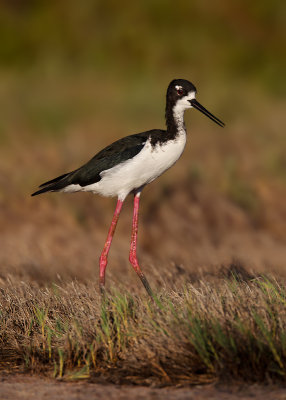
140,170
146,166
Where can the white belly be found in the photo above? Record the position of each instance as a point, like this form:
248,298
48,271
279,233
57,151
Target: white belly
138,171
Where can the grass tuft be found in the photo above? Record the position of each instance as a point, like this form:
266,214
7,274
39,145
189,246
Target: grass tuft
203,333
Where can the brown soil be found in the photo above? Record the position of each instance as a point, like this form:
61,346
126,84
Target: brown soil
23,387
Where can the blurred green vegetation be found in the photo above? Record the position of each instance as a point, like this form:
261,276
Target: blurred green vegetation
236,39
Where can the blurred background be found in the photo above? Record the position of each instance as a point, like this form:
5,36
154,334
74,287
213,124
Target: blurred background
75,76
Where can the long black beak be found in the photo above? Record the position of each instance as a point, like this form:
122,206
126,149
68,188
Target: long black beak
202,109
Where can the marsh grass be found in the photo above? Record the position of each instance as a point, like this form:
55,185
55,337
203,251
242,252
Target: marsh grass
232,330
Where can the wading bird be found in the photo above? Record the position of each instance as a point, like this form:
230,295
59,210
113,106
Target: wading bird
132,162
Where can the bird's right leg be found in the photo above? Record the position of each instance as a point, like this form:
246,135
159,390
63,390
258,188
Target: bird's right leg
104,254
133,246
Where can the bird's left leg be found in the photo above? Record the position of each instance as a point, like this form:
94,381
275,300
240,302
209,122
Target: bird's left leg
132,254
104,254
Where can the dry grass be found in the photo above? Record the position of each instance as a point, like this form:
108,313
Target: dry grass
229,328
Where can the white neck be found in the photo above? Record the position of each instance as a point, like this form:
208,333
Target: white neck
178,113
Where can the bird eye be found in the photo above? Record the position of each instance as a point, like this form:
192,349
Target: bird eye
180,91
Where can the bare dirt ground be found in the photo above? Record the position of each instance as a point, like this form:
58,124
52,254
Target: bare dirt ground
23,387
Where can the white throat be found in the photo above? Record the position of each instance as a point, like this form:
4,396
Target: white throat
179,110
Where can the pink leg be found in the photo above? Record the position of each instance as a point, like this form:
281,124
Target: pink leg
104,254
132,253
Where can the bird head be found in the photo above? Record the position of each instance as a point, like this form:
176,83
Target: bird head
182,95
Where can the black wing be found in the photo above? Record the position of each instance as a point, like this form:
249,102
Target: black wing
116,153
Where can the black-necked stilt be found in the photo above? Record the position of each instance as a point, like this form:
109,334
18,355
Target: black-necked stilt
132,162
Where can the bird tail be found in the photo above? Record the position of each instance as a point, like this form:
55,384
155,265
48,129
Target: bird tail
55,184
